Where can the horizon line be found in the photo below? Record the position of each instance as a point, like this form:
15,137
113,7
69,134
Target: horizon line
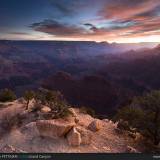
76,41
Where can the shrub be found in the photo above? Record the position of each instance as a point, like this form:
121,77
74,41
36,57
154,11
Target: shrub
61,109
123,125
87,110
54,100
144,114
129,114
47,97
29,95
7,95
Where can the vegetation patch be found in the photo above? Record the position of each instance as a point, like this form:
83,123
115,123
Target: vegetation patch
7,95
143,114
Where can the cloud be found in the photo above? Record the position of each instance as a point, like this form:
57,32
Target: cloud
19,33
56,28
133,17
130,18
91,27
114,19
123,10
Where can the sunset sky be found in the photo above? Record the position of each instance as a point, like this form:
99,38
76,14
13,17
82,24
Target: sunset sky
99,20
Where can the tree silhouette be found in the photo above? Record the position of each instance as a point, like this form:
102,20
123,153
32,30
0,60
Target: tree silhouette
29,95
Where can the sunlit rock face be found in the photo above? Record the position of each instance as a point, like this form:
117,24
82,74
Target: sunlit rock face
54,128
61,135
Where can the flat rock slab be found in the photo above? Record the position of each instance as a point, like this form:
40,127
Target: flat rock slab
54,128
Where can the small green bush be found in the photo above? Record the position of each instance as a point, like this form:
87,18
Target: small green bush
7,95
61,109
87,110
54,100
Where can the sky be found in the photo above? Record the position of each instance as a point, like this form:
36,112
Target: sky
122,21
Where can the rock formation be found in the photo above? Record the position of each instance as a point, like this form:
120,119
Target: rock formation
54,128
79,132
74,137
95,125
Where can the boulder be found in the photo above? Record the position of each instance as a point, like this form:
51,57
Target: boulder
45,109
131,150
31,105
139,137
106,120
131,134
74,114
70,118
74,137
95,125
54,128
86,135
21,100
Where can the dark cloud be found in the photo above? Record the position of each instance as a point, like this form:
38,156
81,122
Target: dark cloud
56,28
19,33
91,27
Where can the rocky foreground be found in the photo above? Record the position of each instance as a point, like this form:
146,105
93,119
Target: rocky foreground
79,133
